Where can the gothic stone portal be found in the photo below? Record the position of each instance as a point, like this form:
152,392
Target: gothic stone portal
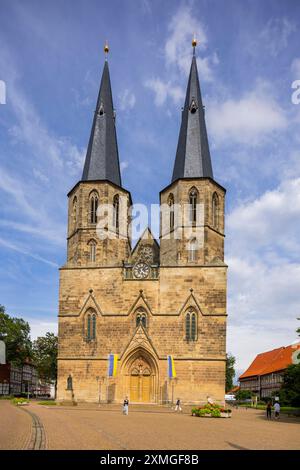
141,378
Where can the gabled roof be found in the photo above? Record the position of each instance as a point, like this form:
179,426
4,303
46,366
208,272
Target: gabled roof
193,156
146,236
271,361
102,157
146,239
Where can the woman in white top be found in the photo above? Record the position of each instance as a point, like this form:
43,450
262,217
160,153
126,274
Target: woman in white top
276,409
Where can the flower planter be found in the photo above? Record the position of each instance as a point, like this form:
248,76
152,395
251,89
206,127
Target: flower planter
211,411
225,415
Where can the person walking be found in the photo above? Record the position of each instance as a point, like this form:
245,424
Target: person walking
178,407
269,410
277,409
125,406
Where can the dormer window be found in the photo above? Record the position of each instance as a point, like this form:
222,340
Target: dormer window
193,107
101,110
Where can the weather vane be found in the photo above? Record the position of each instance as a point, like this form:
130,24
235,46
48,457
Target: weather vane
106,49
194,43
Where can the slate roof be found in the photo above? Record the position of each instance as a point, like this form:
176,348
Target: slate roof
102,157
271,361
193,156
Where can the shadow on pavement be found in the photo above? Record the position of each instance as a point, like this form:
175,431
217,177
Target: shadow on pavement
236,446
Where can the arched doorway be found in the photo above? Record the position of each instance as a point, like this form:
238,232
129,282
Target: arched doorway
141,375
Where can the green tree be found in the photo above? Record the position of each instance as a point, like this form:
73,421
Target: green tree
15,332
290,391
230,372
45,357
243,395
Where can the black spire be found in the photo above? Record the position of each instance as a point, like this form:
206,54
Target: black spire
102,158
192,156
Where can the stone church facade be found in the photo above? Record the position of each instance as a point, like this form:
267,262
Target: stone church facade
153,300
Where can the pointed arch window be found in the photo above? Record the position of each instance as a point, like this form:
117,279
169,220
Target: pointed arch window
141,319
171,209
193,200
215,210
92,251
191,325
74,211
116,213
93,208
91,323
88,327
94,326
188,326
192,250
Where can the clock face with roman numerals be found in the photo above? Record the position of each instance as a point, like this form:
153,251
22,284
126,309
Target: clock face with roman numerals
141,270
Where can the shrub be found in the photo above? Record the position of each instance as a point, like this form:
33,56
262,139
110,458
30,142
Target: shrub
213,410
216,413
19,401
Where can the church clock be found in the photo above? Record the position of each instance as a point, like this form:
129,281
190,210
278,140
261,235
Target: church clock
141,270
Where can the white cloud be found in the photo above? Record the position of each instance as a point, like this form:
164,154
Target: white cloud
40,328
48,148
27,205
17,191
295,68
178,45
54,234
273,38
124,165
276,33
264,273
263,306
248,119
146,7
271,220
40,175
177,54
12,246
127,100
163,90
246,341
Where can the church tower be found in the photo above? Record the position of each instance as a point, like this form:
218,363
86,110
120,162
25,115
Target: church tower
192,228
98,234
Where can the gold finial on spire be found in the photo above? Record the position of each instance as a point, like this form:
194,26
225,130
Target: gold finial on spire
106,48
194,42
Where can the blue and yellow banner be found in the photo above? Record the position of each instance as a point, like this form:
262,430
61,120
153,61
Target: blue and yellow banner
171,368
112,365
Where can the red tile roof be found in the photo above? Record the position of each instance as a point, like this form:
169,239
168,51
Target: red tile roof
271,361
234,390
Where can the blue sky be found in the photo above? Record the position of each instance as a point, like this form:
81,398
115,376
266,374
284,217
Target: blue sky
51,60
